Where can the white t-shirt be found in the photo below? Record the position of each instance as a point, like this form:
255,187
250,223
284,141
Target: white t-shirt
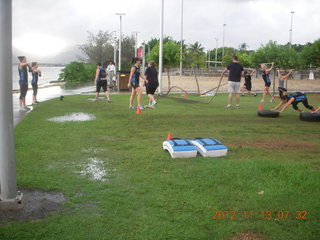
111,68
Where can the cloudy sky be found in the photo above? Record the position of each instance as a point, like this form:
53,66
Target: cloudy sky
48,27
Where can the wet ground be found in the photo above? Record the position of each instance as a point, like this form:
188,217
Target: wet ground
35,205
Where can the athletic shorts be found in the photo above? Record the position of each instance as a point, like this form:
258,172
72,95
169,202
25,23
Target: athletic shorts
267,83
134,85
102,84
151,89
35,88
248,86
233,87
23,89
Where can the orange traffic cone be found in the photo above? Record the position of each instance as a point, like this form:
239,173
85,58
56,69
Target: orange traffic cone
169,137
185,95
138,110
260,107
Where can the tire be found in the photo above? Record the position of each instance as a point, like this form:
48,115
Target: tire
268,113
310,117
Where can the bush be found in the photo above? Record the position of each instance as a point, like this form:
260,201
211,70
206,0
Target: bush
76,74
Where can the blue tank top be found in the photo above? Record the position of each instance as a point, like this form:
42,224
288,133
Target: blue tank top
136,76
23,74
35,77
102,74
265,76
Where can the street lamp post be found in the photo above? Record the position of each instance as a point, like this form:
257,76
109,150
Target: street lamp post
8,184
290,31
136,43
120,38
161,47
216,58
223,35
181,43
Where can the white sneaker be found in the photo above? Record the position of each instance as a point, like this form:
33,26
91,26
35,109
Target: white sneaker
34,103
272,100
95,99
237,106
26,108
132,108
228,106
141,107
154,102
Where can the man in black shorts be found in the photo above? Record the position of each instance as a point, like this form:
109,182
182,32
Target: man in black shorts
235,72
101,81
151,83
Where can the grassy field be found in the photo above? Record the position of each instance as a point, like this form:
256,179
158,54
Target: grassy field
148,195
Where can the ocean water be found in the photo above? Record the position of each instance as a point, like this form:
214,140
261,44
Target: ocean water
47,74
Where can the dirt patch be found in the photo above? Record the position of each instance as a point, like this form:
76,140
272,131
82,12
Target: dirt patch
248,236
277,145
35,205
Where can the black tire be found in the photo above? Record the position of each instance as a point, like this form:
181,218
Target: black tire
310,117
268,113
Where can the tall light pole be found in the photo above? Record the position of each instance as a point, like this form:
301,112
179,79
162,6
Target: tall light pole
181,43
136,43
290,31
216,51
120,38
8,184
223,35
161,47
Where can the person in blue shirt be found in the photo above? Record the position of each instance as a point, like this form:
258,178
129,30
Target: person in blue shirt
134,80
267,82
23,82
101,82
293,99
36,73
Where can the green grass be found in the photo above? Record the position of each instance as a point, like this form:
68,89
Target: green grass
138,202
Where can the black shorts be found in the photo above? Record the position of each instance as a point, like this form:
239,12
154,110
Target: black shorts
35,88
23,89
151,89
267,83
248,86
102,84
135,85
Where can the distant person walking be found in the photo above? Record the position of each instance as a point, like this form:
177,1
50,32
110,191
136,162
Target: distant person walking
152,83
235,72
36,73
267,82
101,82
134,80
111,70
23,82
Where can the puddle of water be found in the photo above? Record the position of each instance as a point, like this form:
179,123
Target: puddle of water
95,169
73,117
92,150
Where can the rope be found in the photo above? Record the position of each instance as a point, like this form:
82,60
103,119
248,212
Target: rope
215,88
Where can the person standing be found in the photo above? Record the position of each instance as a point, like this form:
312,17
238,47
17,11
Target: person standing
134,80
36,73
23,82
101,81
267,82
235,72
111,70
152,83
282,76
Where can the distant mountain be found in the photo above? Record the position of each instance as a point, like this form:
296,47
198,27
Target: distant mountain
68,55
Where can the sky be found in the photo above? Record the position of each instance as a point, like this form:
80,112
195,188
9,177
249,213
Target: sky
48,27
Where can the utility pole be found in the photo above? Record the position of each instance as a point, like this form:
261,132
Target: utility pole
8,183
223,35
290,31
136,43
161,47
181,42
216,51
120,38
